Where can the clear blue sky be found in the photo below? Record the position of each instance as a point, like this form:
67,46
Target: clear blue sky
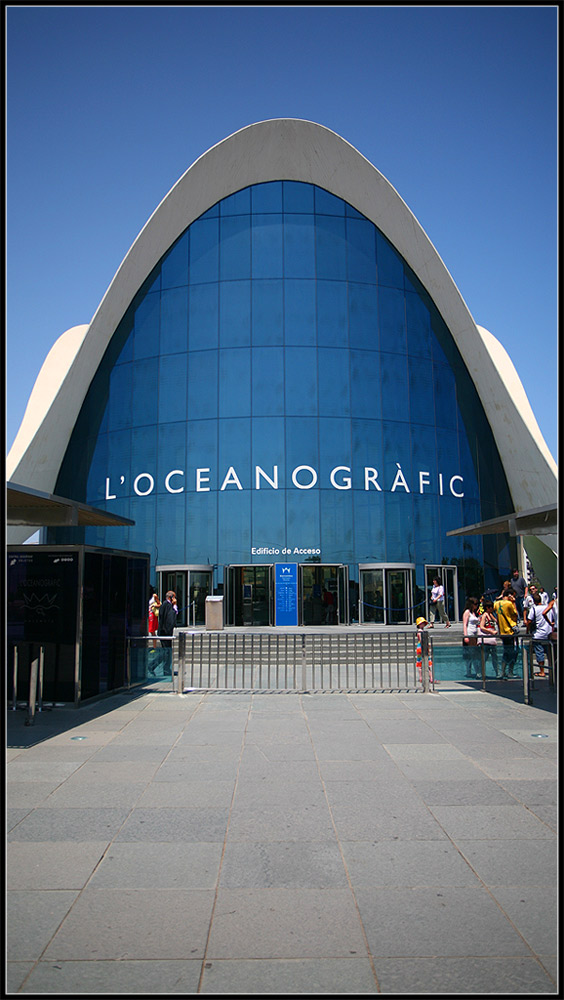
456,106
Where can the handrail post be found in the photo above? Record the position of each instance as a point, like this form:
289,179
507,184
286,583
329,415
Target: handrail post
128,663
32,692
15,679
303,662
41,668
425,641
526,687
483,656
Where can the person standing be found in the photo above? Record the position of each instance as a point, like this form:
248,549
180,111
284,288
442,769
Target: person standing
437,604
154,605
487,633
470,625
519,587
167,624
541,630
506,611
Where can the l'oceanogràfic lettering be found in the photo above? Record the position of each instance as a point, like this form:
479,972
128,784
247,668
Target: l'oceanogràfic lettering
303,477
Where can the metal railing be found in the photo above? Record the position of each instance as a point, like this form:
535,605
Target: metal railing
35,691
295,662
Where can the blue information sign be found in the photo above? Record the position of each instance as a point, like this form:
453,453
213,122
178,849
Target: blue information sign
286,580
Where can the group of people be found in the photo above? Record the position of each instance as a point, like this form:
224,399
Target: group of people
162,622
485,620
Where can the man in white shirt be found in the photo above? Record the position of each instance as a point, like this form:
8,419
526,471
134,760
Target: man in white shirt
437,604
541,630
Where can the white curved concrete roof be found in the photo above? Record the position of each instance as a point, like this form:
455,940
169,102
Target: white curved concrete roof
284,149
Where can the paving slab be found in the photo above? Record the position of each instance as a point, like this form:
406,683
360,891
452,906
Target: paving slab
229,842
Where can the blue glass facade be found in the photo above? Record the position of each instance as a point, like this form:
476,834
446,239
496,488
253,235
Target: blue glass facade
282,388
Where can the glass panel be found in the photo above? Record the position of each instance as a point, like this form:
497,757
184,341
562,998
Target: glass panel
234,382
365,384
250,595
174,268
172,389
363,316
147,321
204,316
301,380
235,248
361,242
236,204
298,197
331,248
332,320
299,246
235,313
267,197
299,312
202,384
268,381
320,595
391,311
204,250
267,312
372,591
398,597
267,246
390,264
334,389
174,321
200,588
328,204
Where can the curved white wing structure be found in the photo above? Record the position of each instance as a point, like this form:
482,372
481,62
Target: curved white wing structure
282,149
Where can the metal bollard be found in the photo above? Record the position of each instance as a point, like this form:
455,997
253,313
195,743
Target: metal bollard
15,680
32,693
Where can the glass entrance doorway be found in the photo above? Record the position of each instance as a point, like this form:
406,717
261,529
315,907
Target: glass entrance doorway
191,584
324,594
386,595
250,595
448,577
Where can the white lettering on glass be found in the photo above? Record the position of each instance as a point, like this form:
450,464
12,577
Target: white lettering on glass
347,481
179,489
260,472
304,486
399,480
200,480
303,477
370,476
423,482
451,489
231,479
144,493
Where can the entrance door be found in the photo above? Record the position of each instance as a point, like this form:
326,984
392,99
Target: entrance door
448,576
250,595
398,592
191,586
324,594
386,594
176,580
200,587
372,596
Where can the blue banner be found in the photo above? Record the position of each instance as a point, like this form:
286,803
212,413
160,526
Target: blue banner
286,580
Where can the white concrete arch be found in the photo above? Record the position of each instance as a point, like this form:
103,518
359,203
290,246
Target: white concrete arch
291,149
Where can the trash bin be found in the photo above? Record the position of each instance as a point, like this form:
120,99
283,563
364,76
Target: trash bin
214,613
